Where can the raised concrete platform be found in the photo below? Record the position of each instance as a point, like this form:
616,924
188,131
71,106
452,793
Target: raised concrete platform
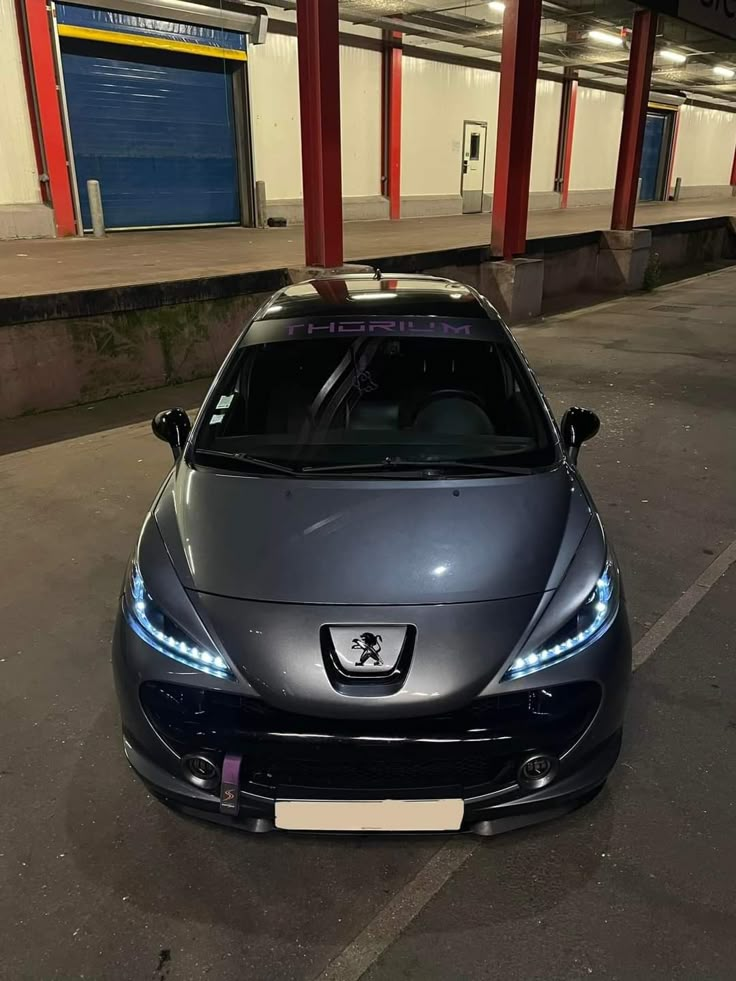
133,258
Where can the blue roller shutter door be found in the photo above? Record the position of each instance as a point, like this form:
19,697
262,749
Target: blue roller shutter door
650,155
156,129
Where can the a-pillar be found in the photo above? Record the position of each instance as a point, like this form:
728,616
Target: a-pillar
38,33
319,102
516,99
636,101
391,118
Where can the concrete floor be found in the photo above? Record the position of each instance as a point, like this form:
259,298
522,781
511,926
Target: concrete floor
126,258
97,880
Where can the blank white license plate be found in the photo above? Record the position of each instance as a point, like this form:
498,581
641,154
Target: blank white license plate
370,815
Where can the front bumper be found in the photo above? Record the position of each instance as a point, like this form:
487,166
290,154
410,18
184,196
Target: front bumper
573,711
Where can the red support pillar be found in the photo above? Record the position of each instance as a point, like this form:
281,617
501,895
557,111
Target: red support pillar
516,98
635,115
319,102
49,114
391,112
565,137
733,169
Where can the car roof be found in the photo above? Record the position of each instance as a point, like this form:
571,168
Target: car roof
375,294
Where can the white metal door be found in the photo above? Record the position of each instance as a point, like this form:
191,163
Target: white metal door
474,164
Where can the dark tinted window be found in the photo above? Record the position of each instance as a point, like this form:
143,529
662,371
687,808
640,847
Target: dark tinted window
341,400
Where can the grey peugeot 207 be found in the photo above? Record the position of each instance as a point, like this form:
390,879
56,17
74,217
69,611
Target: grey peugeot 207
373,593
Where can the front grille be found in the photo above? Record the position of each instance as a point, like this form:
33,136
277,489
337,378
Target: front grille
372,768
477,746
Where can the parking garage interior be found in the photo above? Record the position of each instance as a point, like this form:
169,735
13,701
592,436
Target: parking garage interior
594,172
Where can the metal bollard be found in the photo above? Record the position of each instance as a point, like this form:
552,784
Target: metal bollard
261,204
638,189
95,206
676,192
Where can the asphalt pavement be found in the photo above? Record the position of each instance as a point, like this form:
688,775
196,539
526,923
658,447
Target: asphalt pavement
100,881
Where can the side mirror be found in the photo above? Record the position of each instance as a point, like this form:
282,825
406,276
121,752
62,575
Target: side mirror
173,427
578,426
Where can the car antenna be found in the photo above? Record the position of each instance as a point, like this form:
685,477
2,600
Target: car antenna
377,274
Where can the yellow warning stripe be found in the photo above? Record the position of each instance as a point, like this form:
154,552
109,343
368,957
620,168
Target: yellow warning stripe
145,41
661,105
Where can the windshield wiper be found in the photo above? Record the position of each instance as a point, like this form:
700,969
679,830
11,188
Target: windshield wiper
427,466
395,465
254,461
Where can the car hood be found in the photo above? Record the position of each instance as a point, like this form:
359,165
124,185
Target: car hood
371,542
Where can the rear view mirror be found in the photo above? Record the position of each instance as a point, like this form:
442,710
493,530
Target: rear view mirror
578,425
173,427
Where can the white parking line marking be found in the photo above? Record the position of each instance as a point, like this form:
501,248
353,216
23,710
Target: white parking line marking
660,631
398,913
362,952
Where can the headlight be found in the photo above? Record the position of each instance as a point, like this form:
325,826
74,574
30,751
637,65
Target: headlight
591,621
160,632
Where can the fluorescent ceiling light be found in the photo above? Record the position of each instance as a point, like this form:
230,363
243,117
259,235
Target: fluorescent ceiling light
674,56
497,6
604,38
723,71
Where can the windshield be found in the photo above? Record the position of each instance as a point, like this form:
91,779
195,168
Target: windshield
340,402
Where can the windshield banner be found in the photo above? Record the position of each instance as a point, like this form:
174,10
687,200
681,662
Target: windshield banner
265,331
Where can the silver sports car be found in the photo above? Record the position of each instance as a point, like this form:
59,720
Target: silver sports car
374,593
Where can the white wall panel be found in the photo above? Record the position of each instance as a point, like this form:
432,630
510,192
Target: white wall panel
705,146
274,80
598,120
18,172
437,98
546,130
360,118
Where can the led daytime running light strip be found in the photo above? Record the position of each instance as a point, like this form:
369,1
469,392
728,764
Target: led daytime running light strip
557,652
185,653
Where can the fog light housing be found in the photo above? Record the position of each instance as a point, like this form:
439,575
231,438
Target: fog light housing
201,770
537,770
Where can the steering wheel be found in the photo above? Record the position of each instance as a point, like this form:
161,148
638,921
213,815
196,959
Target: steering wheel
446,393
